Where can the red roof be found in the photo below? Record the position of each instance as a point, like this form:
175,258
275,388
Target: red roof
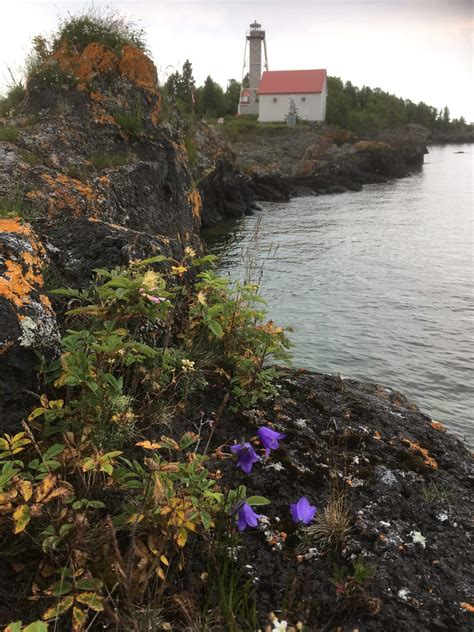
292,81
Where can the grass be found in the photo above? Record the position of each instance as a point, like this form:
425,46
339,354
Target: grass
333,524
433,493
102,161
130,122
109,29
11,204
77,173
31,158
9,133
10,103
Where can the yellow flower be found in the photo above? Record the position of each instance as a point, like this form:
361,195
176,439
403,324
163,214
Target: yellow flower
150,279
187,366
178,270
201,298
189,252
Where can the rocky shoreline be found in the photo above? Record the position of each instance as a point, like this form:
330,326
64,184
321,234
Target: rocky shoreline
82,191
292,162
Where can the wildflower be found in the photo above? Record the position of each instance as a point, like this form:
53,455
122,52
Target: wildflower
187,366
247,517
150,280
178,270
302,511
189,252
201,297
269,438
151,298
246,456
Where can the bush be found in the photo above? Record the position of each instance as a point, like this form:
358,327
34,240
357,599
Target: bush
107,509
111,30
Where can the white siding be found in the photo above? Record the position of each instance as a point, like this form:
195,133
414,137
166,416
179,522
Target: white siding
274,107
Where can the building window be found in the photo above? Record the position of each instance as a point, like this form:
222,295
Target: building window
275,99
303,98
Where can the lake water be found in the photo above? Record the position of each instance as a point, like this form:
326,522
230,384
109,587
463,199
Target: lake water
377,285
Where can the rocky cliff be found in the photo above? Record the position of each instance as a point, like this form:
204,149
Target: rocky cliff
89,178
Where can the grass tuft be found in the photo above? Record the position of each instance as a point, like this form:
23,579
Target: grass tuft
9,133
110,161
333,524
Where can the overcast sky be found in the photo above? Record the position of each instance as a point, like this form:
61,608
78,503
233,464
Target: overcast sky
417,49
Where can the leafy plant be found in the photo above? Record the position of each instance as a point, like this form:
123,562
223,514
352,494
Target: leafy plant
10,102
130,121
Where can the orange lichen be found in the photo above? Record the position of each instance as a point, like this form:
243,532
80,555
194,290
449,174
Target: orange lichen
135,66
467,606
6,345
181,152
13,225
416,447
94,60
66,194
377,435
437,425
194,198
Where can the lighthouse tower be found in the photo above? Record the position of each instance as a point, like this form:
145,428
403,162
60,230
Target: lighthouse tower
254,42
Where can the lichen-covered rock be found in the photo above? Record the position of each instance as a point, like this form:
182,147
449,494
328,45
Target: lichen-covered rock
27,321
94,152
405,484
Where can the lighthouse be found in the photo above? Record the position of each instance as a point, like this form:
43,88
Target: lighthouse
252,68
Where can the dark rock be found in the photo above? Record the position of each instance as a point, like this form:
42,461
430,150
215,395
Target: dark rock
27,321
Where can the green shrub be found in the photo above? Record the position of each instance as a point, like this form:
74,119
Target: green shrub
111,30
9,133
130,122
10,103
191,149
102,161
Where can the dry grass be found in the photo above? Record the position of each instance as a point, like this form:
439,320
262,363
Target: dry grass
332,524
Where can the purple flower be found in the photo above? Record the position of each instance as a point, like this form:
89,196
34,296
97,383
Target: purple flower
269,438
246,456
247,517
302,511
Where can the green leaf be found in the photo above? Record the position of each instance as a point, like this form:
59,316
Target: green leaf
60,588
58,609
150,260
91,600
14,627
257,501
36,626
216,328
21,518
89,584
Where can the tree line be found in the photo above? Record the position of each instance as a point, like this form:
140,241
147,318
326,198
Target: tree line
350,107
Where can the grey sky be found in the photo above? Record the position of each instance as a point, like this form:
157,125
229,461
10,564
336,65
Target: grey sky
417,49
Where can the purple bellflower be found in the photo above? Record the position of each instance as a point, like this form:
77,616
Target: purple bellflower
269,438
247,517
246,456
302,511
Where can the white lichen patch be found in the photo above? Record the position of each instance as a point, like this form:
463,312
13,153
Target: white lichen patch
301,423
275,466
28,332
418,538
442,516
403,593
384,523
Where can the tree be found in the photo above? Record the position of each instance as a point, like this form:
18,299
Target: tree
232,97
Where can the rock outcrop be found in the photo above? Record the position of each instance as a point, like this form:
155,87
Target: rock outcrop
400,479
92,163
276,163
27,320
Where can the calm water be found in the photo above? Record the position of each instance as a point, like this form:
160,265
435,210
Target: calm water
378,285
